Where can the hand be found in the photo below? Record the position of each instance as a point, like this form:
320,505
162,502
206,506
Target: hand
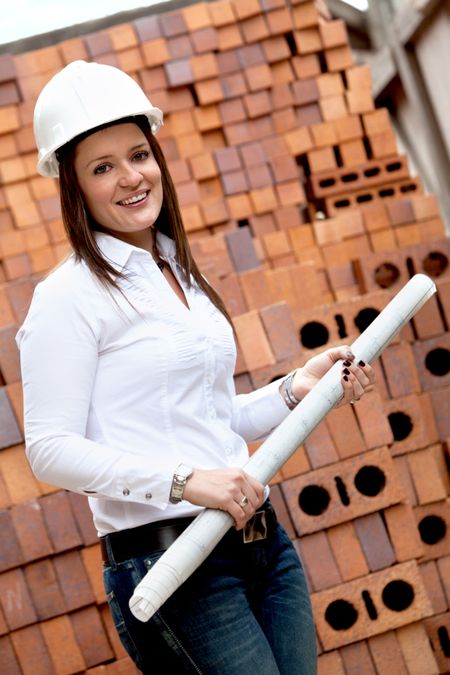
224,489
357,379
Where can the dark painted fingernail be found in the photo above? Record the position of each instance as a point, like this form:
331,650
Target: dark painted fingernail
350,355
347,363
346,378
361,363
346,371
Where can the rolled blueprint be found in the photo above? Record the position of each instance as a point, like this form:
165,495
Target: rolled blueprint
198,540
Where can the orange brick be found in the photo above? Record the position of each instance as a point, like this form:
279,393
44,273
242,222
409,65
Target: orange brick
155,52
240,206
197,16
333,33
416,650
383,145
8,145
204,66
323,134
353,152
263,199
290,193
377,121
123,37
9,119
403,532
383,240
42,259
209,91
330,664
230,37
73,49
222,13
347,551
307,41
25,214
333,108
306,66
243,10
207,118
305,14
22,484
130,60
254,28
330,84
426,475
322,159
299,141
258,77
253,340
57,633
386,654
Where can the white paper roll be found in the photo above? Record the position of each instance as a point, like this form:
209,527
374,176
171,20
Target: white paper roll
197,541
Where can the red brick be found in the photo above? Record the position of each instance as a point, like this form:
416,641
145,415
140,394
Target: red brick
412,421
8,658
433,585
428,482
11,551
253,341
45,590
73,580
60,522
417,651
10,433
241,249
399,366
364,626
403,532
440,401
173,23
386,654
16,602
433,361
433,524
62,646
280,329
347,551
318,560
437,629
444,572
31,531
92,561
375,542
83,517
357,659
90,636
330,664
332,495
32,652
9,355
345,432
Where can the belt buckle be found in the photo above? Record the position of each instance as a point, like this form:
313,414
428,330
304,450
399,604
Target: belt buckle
256,528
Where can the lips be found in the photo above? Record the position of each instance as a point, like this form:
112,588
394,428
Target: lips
134,199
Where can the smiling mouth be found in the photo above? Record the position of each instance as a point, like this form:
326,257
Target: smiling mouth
135,199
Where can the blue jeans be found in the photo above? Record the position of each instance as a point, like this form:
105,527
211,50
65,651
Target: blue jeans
246,609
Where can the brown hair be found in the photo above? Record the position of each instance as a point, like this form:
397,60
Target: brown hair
80,225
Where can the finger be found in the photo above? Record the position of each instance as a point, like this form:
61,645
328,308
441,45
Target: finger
341,353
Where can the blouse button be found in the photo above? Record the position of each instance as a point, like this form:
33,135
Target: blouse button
148,495
125,492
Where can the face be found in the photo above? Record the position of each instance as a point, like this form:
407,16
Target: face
120,180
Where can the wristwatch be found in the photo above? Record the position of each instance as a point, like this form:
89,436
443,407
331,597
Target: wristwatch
180,478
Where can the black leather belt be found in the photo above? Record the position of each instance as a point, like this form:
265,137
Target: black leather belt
159,536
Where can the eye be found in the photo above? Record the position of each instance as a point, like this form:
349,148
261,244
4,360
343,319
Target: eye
141,155
101,168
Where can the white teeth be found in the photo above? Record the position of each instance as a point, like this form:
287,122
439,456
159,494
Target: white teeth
133,200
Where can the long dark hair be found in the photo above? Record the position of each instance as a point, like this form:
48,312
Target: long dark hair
80,225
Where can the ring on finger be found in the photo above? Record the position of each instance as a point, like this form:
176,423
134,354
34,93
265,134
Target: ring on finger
244,501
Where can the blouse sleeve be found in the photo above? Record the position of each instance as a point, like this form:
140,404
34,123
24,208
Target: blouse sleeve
256,414
59,346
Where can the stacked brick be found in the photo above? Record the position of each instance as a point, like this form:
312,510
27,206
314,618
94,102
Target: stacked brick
306,219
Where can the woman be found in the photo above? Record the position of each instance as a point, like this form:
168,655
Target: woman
127,360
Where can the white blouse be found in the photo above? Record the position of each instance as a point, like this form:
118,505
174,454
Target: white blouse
118,392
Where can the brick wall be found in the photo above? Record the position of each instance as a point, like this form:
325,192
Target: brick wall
305,217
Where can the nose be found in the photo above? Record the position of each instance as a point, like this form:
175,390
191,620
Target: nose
129,175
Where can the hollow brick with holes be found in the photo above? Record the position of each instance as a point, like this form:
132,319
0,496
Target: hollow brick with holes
336,494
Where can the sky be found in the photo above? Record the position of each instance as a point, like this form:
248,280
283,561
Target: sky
24,18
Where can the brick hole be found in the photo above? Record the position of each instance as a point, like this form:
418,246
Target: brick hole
387,192
349,177
342,331
398,595
393,166
367,147
314,334
341,203
2,380
435,263
342,490
438,361
371,173
302,162
370,481
327,182
193,93
386,275
401,425
411,187
338,156
322,62
364,198
364,318
277,377
313,500
432,529
243,223
444,640
341,614
371,609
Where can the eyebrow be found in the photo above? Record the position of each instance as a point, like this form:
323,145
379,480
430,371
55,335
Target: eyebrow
133,149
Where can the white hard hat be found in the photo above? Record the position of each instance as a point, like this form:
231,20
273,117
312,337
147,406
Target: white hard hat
80,97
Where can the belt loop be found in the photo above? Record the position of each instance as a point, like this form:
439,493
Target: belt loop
109,552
